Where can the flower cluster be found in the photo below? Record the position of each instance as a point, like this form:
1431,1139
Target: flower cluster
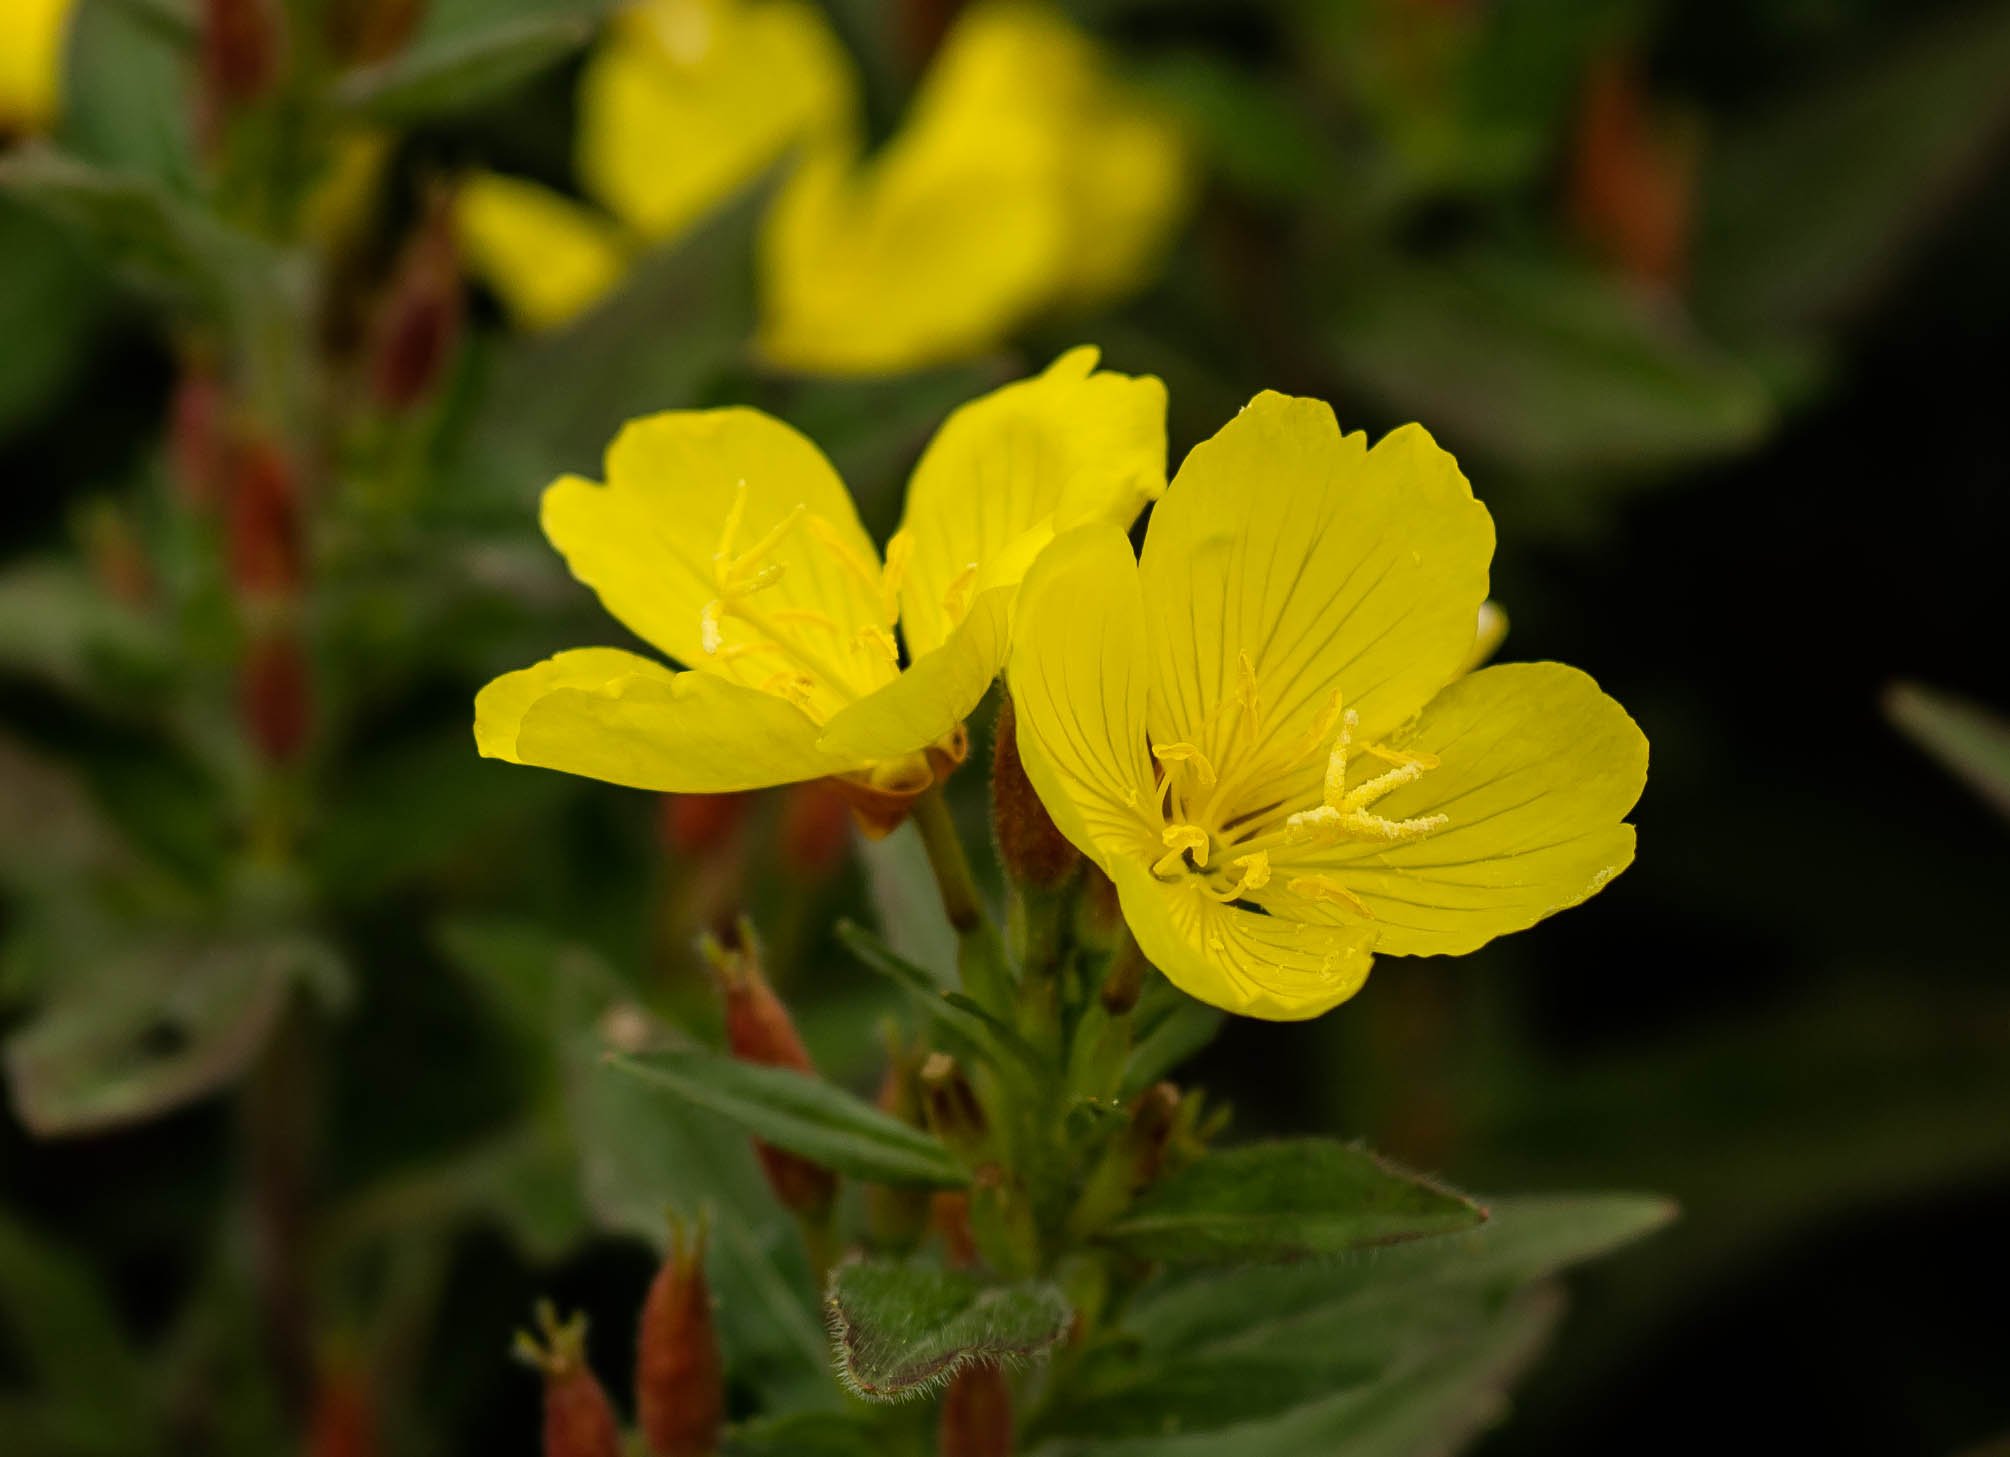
1267,731
1024,179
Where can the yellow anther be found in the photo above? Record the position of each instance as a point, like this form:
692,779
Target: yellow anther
789,684
734,650
1336,761
878,639
1320,735
1331,825
1332,892
1179,840
1255,868
804,616
1401,756
956,596
1192,758
899,549
1363,795
868,572
740,574
1245,693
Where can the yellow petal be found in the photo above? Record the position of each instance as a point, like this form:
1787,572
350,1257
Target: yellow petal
1071,445
1078,679
611,715
934,250
1536,771
547,258
653,541
31,62
689,101
1329,565
934,693
1125,177
1240,960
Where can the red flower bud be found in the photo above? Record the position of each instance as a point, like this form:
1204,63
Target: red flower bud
760,1030
363,31
694,824
419,327
196,449
578,1418
815,829
680,1380
243,51
267,555
1031,849
1631,189
275,695
343,1420
977,1414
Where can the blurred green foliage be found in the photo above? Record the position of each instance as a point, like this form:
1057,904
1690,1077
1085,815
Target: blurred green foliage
340,1014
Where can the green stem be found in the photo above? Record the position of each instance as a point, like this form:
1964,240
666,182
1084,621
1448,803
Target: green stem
980,950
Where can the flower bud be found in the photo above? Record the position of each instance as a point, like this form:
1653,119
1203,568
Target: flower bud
197,454
419,325
1033,852
953,1111
267,554
977,1414
578,1418
760,1030
680,1380
362,32
343,1421
697,824
243,51
1632,180
949,1214
815,830
275,695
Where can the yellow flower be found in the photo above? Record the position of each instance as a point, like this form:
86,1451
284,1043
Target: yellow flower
685,103
1263,731
1025,178
725,539
31,63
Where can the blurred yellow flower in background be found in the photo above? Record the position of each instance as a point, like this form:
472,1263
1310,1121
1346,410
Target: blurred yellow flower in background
1264,733
1025,179
725,539
31,63
684,103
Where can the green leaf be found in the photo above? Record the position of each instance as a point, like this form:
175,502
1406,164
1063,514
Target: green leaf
550,403
905,900
129,97
901,1329
170,1023
1284,1201
803,1115
1970,741
1432,1407
62,1326
1810,208
808,1434
51,302
955,1015
188,260
443,74
58,626
1186,1027
1551,369
1223,1348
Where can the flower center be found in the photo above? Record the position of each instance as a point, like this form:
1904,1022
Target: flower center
741,575
1237,809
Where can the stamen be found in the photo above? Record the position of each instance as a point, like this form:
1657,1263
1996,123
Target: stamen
1363,795
867,572
803,615
870,638
1178,840
899,548
1191,758
1255,870
709,635
1245,693
1336,761
956,596
789,684
1326,888
734,650
1401,756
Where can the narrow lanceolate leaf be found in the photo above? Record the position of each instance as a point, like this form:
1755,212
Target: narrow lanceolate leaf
900,1329
1972,742
803,1115
453,72
1285,1201
953,1013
